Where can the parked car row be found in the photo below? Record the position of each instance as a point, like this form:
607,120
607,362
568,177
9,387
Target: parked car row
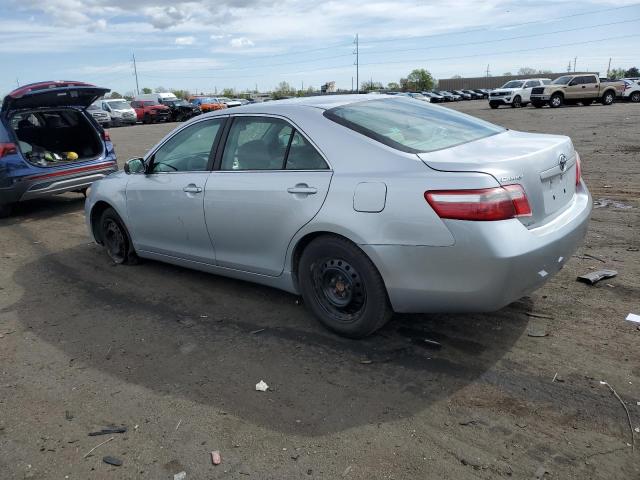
156,107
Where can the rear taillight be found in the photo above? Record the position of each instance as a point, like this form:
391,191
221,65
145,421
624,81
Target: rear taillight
487,204
578,169
105,136
7,149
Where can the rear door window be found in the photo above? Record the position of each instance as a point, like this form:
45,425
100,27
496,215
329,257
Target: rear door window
410,126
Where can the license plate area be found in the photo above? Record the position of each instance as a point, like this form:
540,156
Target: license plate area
558,190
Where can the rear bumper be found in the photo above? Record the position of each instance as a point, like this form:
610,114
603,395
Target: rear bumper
491,264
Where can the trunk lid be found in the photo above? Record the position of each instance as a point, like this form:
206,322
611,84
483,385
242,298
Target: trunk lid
52,94
545,166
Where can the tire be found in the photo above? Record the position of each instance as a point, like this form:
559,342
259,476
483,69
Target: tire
635,97
608,98
115,239
556,100
493,105
517,102
342,287
146,118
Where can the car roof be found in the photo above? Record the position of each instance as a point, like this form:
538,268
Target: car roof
323,102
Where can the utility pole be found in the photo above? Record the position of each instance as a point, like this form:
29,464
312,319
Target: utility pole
609,67
351,83
575,59
569,67
488,73
18,81
357,64
135,71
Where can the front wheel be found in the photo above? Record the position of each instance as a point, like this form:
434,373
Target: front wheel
517,102
635,97
608,98
556,100
5,210
493,105
342,287
115,238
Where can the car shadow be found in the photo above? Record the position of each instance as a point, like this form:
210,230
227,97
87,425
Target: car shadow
211,339
43,208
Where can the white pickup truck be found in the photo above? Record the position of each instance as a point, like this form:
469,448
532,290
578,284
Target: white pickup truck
516,93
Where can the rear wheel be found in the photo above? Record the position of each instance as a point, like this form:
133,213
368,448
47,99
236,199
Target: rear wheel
608,98
5,210
517,102
556,100
146,118
115,238
635,97
342,287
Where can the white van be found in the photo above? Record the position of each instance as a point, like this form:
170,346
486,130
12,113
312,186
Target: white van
120,111
156,97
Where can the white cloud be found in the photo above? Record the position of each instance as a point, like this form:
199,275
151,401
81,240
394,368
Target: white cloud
241,42
101,25
190,40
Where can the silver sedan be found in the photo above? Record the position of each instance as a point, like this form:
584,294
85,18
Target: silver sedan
362,204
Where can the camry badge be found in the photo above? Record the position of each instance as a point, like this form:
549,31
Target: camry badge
562,162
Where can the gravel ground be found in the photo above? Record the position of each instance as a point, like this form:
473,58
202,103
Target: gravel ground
174,356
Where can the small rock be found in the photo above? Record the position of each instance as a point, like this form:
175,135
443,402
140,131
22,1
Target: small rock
116,462
471,463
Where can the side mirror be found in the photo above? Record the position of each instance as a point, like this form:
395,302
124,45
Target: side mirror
135,165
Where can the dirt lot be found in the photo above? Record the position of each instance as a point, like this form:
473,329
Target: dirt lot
173,355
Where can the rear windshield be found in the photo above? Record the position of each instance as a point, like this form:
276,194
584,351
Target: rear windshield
410,126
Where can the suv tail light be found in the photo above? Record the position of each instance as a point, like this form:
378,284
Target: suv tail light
578,169
487,204
7,149
105,136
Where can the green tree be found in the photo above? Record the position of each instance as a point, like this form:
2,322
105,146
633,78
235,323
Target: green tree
393,86
419,79
283,90
370,86
617,73
229,92
161,90
632,72
183,94
115,95
147,90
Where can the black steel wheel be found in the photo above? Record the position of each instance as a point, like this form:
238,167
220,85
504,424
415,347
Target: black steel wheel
342,287
115,238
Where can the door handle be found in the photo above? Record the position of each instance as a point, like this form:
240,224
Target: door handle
191,188
584,86
302,188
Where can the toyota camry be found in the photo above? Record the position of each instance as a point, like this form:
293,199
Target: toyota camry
363,205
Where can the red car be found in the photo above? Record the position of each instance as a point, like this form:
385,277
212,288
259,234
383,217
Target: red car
149,111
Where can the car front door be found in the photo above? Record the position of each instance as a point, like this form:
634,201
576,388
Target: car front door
269,182
165,204
575,88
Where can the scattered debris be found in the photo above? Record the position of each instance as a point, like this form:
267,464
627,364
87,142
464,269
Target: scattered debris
258,331
432,342
605,202
554,377
594,277
521,425
366,361
108,431
295,457
346,471
537,329
543,273
632,317
633,249
540,473
539,315
216,459
587,255
116,462
261,386
468,422
68,415
97,446
178,425
180,476
624,405
476,464
187,323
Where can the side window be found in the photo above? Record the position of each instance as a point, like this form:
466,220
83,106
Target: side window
256,143
302,155
591,79
134,105
531,84
189,149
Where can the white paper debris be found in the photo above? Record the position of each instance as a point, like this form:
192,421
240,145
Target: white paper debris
543,273
261,386
632,317
560,259
180,476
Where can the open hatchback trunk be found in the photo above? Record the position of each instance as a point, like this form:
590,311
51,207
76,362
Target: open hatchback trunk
50,122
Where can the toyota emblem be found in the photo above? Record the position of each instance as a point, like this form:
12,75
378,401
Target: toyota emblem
562,161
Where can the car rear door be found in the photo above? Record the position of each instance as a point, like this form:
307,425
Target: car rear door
269,182
590,87
526,91
165,204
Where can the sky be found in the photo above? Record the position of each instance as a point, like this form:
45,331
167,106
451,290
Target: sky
208,45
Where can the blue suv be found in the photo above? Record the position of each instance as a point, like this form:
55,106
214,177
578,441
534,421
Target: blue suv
49,143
